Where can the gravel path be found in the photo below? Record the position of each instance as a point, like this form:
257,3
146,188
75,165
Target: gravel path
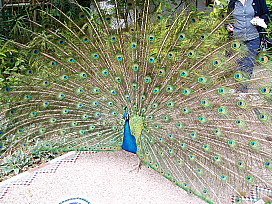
100,178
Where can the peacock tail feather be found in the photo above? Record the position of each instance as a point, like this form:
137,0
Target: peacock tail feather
176,76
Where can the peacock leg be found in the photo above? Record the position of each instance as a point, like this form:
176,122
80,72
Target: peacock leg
138,166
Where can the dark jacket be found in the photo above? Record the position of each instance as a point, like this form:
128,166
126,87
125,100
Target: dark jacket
259,7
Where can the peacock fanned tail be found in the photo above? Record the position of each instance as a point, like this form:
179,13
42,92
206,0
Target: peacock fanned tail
176,76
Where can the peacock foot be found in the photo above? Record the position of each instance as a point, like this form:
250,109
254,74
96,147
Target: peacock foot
138,166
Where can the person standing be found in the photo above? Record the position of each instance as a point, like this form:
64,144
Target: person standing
243,11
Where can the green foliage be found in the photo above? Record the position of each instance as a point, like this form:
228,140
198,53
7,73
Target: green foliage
15,163
17,31
12,62
25,158
269,26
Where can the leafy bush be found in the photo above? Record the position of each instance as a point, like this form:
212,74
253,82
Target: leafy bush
26,158
15,163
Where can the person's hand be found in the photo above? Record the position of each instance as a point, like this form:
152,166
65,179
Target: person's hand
230,28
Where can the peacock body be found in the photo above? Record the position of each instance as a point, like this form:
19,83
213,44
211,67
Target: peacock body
163,87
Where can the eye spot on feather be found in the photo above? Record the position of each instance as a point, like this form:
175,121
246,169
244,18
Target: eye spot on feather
130,4
113,92
95,56
170,55
108,18
222,16
241,164
52,63
132,29
71,60
194,19
161,72
231,143
33,113
216,63
85,39
249,179
199,171
143,97
217,132
61,42
46,26
202,119
82,15
191,157
42,130
166,118
239,122
268,164
159,17
134,86
263,59
238,76
203,37
179,125
190,54
119,57
223,177
113,38
183,73
182,36
185,110
105,72
135,67
96,90
238,200
222,91
147,79
156,90
64,77
241,104
193,135
263,117
133,45
235,45
83,75
97,114
151,60
265,90
29,72
61,96
113,113
35,51
127,97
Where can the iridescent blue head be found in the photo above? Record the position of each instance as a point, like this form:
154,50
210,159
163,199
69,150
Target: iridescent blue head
125,114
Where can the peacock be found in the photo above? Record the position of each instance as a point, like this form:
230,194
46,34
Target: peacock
161,85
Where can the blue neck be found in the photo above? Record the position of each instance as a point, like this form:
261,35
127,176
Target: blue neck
129,141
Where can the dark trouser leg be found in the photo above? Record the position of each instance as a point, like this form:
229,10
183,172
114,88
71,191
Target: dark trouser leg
253,46
246,65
